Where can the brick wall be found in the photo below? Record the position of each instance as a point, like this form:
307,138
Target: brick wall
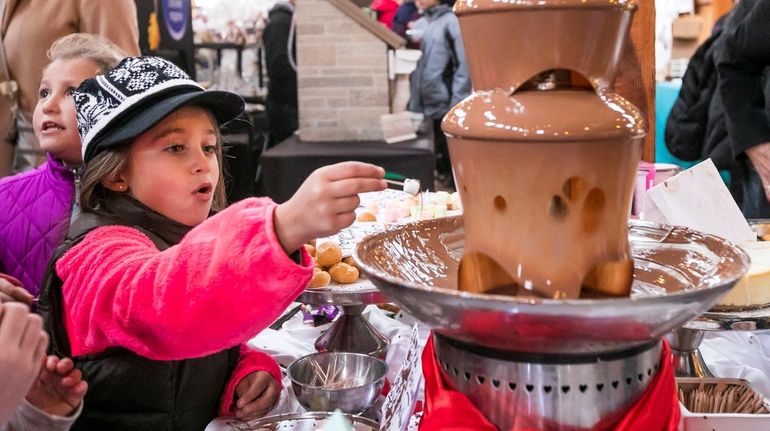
342,75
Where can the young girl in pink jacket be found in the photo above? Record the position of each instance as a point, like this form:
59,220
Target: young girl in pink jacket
151,294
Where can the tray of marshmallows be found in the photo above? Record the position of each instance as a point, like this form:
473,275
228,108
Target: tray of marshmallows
335,268
719,404
396,207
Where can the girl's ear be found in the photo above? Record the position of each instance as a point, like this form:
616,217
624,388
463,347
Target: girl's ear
116,184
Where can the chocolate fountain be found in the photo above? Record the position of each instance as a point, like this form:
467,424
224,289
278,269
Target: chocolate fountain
548,307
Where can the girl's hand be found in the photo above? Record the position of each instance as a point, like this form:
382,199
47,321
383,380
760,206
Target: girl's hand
59,389
760,158
255,394
22,348
325,202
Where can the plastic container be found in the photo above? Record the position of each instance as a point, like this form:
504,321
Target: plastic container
692,421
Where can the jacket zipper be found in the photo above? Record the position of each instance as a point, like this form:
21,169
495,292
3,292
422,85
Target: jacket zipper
77,173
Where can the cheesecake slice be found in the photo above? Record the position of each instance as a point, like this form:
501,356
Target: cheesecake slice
753,290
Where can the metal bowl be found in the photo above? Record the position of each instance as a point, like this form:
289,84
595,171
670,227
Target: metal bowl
327,381
678,275
309,421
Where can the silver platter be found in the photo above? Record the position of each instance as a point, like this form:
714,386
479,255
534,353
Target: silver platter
310,421
338,295
679,274
744,320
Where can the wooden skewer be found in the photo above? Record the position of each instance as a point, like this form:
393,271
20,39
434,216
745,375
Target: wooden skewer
723,398
329,378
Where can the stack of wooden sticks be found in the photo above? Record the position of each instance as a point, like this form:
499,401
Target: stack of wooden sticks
722,397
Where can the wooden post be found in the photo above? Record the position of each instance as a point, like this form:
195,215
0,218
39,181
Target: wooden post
636,80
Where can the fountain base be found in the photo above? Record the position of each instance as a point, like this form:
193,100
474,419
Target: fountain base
517,390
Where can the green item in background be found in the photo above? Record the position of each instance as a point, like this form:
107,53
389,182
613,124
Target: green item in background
666,93
394,176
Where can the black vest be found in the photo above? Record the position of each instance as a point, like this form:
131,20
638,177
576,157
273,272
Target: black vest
125,390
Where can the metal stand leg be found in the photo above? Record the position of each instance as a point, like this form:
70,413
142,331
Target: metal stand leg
687,358
353,333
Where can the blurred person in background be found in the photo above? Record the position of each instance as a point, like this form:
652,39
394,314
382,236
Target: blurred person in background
441,78
385,10
696,128
28,28
279,44
404,19
742,65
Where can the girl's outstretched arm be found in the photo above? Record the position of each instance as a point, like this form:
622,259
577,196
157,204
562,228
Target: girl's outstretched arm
227,279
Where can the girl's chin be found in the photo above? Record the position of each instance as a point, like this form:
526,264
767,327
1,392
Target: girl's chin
192,221
189,219
68,158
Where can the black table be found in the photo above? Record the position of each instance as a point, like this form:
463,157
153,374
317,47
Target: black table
286,165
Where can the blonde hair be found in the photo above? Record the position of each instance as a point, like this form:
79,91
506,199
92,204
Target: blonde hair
87,46
111,162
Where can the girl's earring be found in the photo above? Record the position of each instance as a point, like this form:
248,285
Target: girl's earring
121,187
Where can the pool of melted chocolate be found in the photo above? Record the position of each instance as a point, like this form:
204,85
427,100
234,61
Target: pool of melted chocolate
665,261
678,274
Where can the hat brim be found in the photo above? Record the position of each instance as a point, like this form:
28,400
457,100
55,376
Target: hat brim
223,105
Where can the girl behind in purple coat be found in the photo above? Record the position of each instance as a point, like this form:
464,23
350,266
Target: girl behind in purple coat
36,205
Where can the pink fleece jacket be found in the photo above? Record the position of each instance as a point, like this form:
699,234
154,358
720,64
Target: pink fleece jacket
227,279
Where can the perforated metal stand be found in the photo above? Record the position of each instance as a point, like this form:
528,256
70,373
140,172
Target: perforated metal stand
353,333
688,361
548,392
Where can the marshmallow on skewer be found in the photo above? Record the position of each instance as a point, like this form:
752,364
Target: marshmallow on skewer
409,185
412,186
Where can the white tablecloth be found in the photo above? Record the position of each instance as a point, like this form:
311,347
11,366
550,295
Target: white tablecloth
295,339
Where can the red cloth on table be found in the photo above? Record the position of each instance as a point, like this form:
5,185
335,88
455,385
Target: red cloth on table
449,409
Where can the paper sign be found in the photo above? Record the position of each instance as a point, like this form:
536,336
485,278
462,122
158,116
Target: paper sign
698,198
399,404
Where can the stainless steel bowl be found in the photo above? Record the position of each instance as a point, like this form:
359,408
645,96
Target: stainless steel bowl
308,421
679,274
327,381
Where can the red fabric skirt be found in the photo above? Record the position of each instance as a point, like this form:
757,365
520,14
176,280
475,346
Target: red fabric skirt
448,409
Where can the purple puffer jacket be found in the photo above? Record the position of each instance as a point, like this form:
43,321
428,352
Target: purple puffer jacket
35,209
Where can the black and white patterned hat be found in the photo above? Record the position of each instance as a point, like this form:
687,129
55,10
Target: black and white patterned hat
137,94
